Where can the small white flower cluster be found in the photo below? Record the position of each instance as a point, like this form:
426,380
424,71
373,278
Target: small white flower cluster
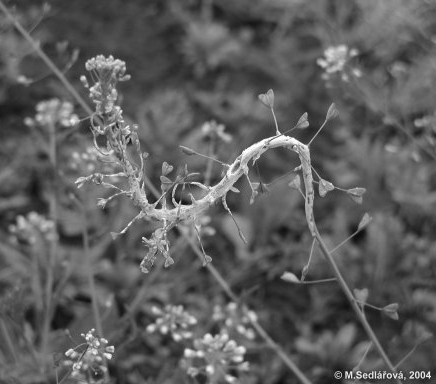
212,130
105,72
90,362
215,357
86,162
234,318
335,61
174,320
29,228
53,112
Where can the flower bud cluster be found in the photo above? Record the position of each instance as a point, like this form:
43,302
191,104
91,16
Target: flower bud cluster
172,320
53,112
216,357
106,73
33,226
89,363
235,318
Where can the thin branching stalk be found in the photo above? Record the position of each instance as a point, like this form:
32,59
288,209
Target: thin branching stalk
347,291
90,273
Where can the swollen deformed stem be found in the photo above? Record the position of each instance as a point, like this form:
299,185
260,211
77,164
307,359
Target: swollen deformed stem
235,171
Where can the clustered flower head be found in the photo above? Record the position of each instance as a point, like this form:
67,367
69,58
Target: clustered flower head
213,131
105,74
216,357
86,161
335,61
172,320
33,226
52,112
89,363
235,318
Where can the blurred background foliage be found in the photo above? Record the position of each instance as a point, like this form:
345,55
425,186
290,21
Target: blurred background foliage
196,61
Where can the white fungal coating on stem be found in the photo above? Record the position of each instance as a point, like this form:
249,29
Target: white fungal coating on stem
237,169
306,167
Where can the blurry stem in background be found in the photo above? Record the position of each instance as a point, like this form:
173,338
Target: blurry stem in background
209,165
90,274
8,343
89,267
53,213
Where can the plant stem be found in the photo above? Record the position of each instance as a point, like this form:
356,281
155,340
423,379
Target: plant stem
344,286
90,274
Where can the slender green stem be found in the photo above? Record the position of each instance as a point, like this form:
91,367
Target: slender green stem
89,267
344,286
90,274
275,122
317,132
8,343
328,280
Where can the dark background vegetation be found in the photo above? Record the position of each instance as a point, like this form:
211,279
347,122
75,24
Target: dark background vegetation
195,61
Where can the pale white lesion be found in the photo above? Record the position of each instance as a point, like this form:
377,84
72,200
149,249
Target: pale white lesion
234,172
